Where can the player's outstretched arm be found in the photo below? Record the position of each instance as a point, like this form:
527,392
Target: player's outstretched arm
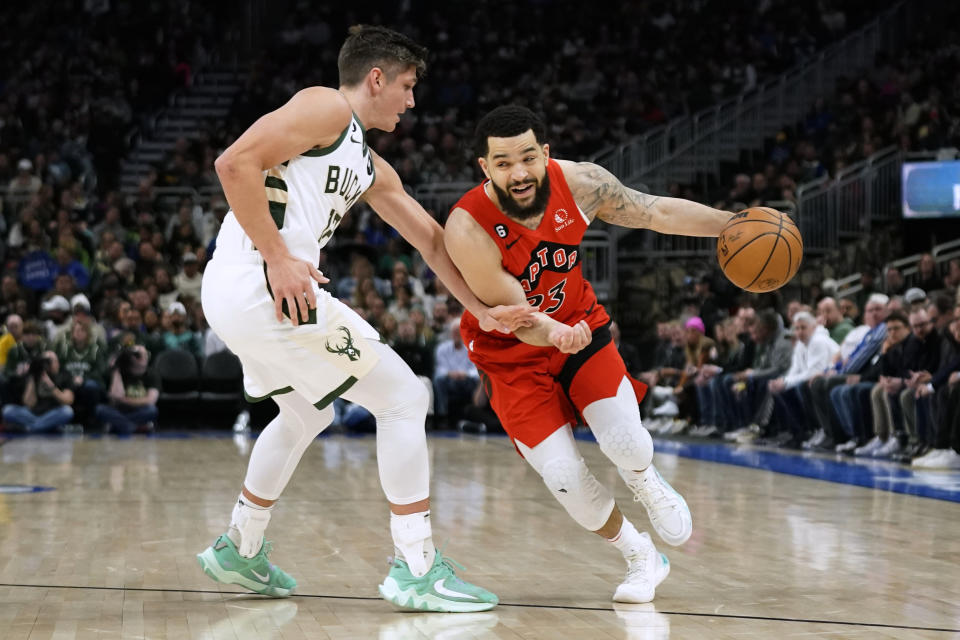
478,258
313,117
403,213
601,195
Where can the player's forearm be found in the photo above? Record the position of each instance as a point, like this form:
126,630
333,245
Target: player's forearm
677,216
29,393
539,334
139,401
436,256
242,182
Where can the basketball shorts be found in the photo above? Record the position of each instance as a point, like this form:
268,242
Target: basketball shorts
536,390
321,358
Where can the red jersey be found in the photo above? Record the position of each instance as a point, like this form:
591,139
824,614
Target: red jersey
545,260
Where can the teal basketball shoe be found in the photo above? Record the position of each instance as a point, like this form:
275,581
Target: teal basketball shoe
223,563
437,590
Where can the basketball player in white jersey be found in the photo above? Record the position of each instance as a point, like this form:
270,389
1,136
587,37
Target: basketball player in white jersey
290,179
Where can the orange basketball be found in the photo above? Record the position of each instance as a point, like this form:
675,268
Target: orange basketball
760,249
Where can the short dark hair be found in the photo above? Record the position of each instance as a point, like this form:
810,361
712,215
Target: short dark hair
32,327
768,319
369,46
943,303
898,316
505,122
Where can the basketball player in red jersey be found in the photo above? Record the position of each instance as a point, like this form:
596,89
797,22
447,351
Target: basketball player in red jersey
516,237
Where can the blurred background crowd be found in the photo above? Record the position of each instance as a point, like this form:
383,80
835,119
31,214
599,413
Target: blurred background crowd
102,274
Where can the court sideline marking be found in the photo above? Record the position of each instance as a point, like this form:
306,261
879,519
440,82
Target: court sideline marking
504,604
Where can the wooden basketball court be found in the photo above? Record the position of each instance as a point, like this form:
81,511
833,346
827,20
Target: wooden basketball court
109,552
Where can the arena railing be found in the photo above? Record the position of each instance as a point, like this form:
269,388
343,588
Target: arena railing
599,263
845,207
816,216
944,253
438,197
909,266
690,144
848,286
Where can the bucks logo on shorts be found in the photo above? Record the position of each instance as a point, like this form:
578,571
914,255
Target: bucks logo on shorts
347,348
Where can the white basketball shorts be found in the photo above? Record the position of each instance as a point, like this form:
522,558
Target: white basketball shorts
320,359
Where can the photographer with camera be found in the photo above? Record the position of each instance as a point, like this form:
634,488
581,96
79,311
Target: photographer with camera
31,345
47,397
132,394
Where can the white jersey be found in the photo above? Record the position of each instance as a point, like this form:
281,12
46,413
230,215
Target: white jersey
308,195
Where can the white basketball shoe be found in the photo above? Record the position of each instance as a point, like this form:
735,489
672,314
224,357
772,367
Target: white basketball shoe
666,508
646,568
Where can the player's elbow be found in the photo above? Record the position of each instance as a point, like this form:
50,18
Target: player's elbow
225,165
231,164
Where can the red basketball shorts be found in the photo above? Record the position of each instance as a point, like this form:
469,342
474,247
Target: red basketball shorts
536,390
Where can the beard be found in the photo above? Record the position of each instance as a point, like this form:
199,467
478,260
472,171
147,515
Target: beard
532,210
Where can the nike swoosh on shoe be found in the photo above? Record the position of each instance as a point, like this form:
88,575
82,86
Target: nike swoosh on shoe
442,590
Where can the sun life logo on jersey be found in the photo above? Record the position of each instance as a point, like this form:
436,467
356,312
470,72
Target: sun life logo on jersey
562,218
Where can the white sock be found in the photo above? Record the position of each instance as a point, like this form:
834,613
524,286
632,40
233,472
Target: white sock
413,541
628,541
247,525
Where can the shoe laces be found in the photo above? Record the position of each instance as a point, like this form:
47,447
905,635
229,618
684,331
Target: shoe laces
637,567
265,551
451,564
448,562
649,491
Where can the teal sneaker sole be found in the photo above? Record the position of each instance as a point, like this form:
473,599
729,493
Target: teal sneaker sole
208,563
410,600
664,569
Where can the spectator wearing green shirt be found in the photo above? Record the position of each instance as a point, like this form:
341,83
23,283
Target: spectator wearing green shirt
84,359
32,343
830,316
132,393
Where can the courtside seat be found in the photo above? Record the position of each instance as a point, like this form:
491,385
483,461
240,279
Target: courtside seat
221,379
179,377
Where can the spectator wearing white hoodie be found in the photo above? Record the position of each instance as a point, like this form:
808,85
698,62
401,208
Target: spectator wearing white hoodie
813,352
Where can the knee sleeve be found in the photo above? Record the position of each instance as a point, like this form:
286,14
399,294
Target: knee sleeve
616,424
410,404
280,446
398,400
585,499
402,456
629,446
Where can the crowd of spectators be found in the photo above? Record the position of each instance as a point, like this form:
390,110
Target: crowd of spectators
910,100
598,76
78,80
96,284
881,383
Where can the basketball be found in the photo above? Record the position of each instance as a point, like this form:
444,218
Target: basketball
760,249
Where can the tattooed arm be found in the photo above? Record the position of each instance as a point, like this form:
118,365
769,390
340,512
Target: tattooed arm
600,194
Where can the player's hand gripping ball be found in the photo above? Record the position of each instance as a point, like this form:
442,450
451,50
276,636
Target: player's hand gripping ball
760,249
